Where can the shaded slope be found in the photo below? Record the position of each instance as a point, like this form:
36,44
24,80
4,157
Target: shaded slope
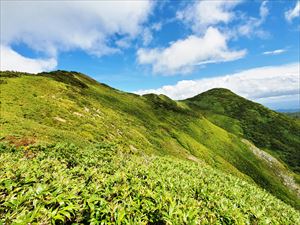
73,108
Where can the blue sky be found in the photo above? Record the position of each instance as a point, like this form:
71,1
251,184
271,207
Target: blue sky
177,48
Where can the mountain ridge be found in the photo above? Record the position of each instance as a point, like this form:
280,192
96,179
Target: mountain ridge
60,105
264,127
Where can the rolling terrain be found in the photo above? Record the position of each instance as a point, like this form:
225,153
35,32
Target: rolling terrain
67,139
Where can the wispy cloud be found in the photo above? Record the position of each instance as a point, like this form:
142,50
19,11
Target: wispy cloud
275,52
293,13
251,26
256,83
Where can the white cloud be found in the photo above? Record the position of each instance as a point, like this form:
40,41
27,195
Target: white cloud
281,102
293,13
274,52
256,83
252,25
220,13
202,14
147,36
50,27
11,60
183,55
263,10
157,26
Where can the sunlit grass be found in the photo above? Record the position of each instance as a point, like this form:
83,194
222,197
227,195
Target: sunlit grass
103,185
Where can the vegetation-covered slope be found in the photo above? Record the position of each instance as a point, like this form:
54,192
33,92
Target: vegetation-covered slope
62,184
266,128
70,107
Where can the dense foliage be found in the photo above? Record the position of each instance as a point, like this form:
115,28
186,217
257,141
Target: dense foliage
102,185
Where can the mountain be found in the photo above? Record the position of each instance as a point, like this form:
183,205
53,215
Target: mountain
267,129
218,143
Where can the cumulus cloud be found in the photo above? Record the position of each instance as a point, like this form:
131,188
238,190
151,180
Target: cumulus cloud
293,13
274,52
183,55
202,14
50,27
256,83
210,22
11,60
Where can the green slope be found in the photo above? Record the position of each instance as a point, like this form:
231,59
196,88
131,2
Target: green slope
266,128
71,107
62,184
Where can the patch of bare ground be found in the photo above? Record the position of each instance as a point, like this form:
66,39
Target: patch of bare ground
276,166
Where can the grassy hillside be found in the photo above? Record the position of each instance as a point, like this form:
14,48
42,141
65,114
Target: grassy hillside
63,184
266,128
70,107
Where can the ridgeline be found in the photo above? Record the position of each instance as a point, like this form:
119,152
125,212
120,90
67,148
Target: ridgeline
74,150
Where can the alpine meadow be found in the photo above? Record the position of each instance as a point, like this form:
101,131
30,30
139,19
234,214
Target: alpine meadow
149,112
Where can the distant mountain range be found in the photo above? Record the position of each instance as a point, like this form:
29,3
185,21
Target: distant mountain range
288,110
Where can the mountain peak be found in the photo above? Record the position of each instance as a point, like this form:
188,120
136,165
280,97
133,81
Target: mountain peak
218,92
